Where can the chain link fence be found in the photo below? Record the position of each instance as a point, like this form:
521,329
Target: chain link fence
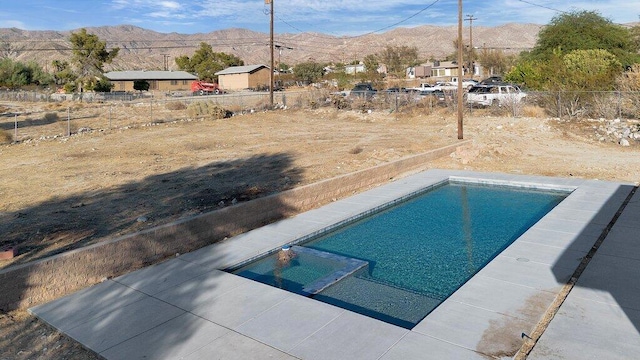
36,115
27,115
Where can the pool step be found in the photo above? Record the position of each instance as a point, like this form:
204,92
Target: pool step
349,267
377,299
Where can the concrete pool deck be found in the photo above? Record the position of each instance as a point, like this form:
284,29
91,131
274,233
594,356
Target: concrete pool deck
187,307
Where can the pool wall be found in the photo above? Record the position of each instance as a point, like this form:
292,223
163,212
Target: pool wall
486,318
43,280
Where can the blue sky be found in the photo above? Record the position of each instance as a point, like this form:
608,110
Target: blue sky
334,17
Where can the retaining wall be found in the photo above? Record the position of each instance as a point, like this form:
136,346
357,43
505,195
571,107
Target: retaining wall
37,282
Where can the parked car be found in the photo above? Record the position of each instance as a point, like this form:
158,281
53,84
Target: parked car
438,95
364,90
488,95
425,87
491,80
394,90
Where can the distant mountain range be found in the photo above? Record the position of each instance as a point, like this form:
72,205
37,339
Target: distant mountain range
142,49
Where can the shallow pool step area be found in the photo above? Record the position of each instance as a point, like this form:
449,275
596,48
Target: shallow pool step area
308,272
386,302
349,267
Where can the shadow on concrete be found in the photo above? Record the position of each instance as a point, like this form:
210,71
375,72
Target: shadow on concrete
63,224
612,264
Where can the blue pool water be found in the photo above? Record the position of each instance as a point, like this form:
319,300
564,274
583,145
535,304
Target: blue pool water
418,252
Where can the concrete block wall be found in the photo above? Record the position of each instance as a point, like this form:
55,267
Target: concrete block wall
37,282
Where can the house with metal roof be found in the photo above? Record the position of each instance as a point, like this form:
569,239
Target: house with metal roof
244,77
158,80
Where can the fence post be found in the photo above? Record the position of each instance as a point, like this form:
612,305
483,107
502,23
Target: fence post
68,121
396,109
619,104
15,137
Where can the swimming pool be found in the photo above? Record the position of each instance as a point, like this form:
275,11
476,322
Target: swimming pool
400,263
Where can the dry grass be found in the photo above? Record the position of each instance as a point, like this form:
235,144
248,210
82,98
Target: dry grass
92,187
175,105
533,111
5,137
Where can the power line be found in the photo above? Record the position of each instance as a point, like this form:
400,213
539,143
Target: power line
399,22
378,30
543,6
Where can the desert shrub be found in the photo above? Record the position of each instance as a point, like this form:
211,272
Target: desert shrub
70,88
50,117
629,85
630,104
605,105
175,105
340,102
560,103
498,111
313,99
361,104
5,137
262,105
207,109
533,111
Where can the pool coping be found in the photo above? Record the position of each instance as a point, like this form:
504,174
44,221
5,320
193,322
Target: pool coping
487,316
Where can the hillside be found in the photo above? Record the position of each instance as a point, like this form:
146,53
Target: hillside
146,49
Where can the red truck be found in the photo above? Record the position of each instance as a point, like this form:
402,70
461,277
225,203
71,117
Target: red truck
205,88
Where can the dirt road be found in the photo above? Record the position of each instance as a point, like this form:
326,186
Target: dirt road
64,192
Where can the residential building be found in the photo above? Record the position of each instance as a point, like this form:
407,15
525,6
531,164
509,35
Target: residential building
244,77
158,80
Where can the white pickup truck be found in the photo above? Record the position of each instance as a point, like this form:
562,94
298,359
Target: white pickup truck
488,95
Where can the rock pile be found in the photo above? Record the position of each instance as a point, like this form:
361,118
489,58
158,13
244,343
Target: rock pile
622,132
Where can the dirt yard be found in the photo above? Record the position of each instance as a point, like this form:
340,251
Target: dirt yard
60,193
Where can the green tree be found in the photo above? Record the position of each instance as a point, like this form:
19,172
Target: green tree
283,68
591,69
635,36
576,51
585,30
495,61
38,75
308,71
15,74
371,63
205,62
398,59
90,53
63,73
103,85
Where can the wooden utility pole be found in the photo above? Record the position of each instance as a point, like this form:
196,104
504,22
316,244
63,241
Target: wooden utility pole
470,19
460,104
271,80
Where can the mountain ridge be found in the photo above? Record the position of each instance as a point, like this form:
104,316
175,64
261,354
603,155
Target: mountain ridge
147,49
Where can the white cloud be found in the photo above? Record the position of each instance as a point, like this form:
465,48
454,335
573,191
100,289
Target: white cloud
347,16
13,24
170,5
